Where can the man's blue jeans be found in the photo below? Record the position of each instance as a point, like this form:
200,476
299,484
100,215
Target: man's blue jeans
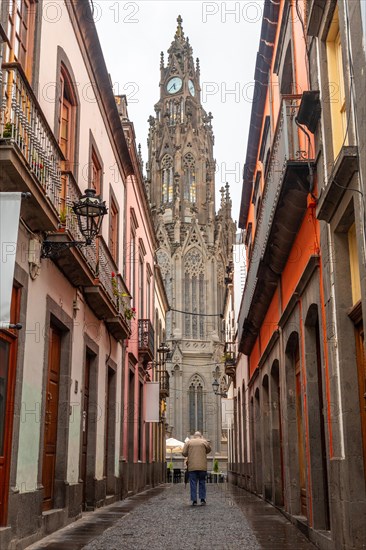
197,476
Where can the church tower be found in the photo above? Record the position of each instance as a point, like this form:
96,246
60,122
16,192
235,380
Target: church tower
194,243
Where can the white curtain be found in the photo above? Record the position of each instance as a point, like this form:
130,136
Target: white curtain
9,223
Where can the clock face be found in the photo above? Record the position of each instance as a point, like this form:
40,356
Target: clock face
174,85
191,88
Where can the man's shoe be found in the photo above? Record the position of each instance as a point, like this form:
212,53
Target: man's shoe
203,502
194,503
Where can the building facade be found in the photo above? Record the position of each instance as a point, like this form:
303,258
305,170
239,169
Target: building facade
300,321
160,373
137,461
194,242
79,362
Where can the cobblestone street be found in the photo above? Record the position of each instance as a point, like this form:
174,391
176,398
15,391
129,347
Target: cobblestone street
164,518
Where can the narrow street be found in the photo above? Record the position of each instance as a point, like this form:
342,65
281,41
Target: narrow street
164,518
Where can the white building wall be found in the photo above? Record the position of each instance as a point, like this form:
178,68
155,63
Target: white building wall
57,31
60,33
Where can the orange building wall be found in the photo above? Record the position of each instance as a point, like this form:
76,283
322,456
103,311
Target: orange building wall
307,240
254,357
304,246
270,322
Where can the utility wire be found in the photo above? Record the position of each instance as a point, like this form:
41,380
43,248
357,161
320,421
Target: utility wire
199,314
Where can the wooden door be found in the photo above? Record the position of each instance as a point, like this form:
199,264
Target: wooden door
321,412
8,357
361,366
51,417
85,423
107,420
300,438
281,443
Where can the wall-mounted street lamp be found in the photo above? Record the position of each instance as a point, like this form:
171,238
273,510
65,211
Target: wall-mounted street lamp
215,387
89,211
163,351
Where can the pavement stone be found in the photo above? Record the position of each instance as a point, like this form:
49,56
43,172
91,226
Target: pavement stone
170,521
163,517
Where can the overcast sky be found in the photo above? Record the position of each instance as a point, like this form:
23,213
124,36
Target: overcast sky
223,35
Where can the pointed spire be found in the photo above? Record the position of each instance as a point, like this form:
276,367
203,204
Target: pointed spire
197,66
161,60
222,192
227,189
139,155
179,32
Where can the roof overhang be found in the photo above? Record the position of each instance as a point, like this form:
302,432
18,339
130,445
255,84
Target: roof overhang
261,76
288,216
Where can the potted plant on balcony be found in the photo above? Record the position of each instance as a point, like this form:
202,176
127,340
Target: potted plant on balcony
62,216
228,358
8,130
37,166
129,312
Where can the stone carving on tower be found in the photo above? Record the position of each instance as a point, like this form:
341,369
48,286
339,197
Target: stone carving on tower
194,242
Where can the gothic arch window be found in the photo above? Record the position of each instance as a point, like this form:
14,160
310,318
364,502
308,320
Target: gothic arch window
196,404
189,177
166,273
167,178
173,111
194,294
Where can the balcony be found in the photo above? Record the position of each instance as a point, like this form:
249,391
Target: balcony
108,296
146,340
163,378
284,203
230,359
29,153
344,169
78,264
31,161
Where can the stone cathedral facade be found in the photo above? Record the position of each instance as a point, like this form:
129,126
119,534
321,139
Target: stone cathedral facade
195,243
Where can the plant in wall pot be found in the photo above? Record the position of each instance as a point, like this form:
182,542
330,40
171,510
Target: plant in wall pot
129,312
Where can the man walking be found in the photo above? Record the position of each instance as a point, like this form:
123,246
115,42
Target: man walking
196,450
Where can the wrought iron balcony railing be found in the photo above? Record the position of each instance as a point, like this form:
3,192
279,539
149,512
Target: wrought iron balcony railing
163,378
230,358
146,339
286,149
23,123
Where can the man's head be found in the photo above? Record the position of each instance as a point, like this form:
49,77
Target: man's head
197,434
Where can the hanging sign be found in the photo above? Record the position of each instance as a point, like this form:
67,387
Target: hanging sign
152,402
9,223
